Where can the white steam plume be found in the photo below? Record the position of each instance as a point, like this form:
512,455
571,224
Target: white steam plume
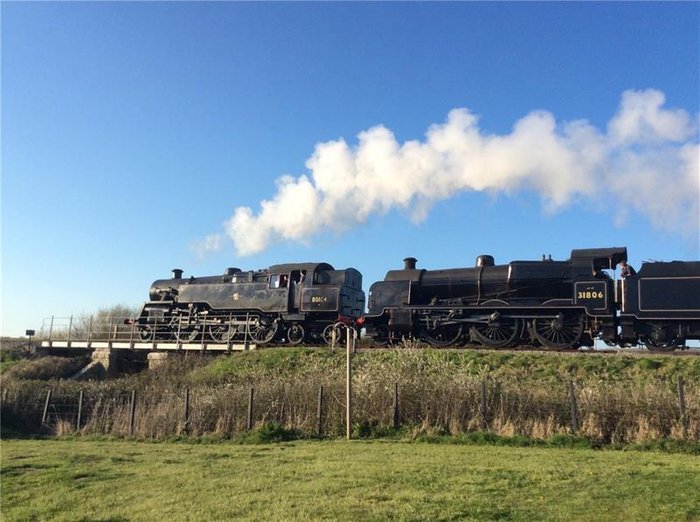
645,161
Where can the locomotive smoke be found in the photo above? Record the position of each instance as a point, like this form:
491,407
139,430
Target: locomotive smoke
646,162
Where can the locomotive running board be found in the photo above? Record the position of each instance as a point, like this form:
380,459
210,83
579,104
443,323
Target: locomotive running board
157,345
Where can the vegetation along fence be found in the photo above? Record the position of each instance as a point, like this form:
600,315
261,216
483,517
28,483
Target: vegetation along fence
606,412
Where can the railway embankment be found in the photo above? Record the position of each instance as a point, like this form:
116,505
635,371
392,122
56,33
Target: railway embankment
399,392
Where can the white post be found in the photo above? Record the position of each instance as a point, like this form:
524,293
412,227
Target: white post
348,387
89,336
51,330
70,325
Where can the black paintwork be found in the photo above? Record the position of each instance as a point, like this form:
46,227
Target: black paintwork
519,282
312,295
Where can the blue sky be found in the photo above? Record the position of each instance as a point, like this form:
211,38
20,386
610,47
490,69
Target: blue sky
132,131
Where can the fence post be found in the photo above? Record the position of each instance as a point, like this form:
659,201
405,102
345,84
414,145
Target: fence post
574,409
483,407
46,406
681,405
187,411
348,389
51,330
70,325
249,419
109,332
319,412
79,420
89,335
396,406
132,413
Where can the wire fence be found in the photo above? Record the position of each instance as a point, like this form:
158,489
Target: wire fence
602,412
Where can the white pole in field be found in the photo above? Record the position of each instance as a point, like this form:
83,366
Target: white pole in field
348,387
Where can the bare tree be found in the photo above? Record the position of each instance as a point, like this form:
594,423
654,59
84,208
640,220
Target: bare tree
103,324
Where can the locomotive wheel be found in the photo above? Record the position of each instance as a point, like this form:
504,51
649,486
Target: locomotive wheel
560,332
263,332
500,331
660,347
222,333
328,334
660,340
186,335
295,334
147,333
442,336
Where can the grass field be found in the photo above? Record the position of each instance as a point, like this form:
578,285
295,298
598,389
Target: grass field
125,480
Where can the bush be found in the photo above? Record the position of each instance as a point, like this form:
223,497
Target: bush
270,432
46,368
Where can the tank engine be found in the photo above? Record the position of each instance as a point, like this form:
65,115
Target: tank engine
289,302
556,304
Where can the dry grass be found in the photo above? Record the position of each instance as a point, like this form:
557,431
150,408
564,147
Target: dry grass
438,395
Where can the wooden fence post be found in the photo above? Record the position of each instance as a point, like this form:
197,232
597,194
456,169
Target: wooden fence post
249,419
395,406
186,426
79,420
681,405
319,412
132,413
574,409
46,407
348,389
483,408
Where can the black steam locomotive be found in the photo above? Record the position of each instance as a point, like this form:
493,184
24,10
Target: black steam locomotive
291,303
554,304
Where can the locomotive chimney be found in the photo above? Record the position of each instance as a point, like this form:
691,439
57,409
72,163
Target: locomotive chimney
484,260
177,273
409,263
230,271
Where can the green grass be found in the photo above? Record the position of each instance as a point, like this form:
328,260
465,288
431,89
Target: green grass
124,480
536,366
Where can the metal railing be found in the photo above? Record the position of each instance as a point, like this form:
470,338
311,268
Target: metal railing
93,331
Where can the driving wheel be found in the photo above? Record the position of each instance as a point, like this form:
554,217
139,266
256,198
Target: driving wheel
560,332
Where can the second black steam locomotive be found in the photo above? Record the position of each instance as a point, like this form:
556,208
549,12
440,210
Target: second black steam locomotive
554,304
